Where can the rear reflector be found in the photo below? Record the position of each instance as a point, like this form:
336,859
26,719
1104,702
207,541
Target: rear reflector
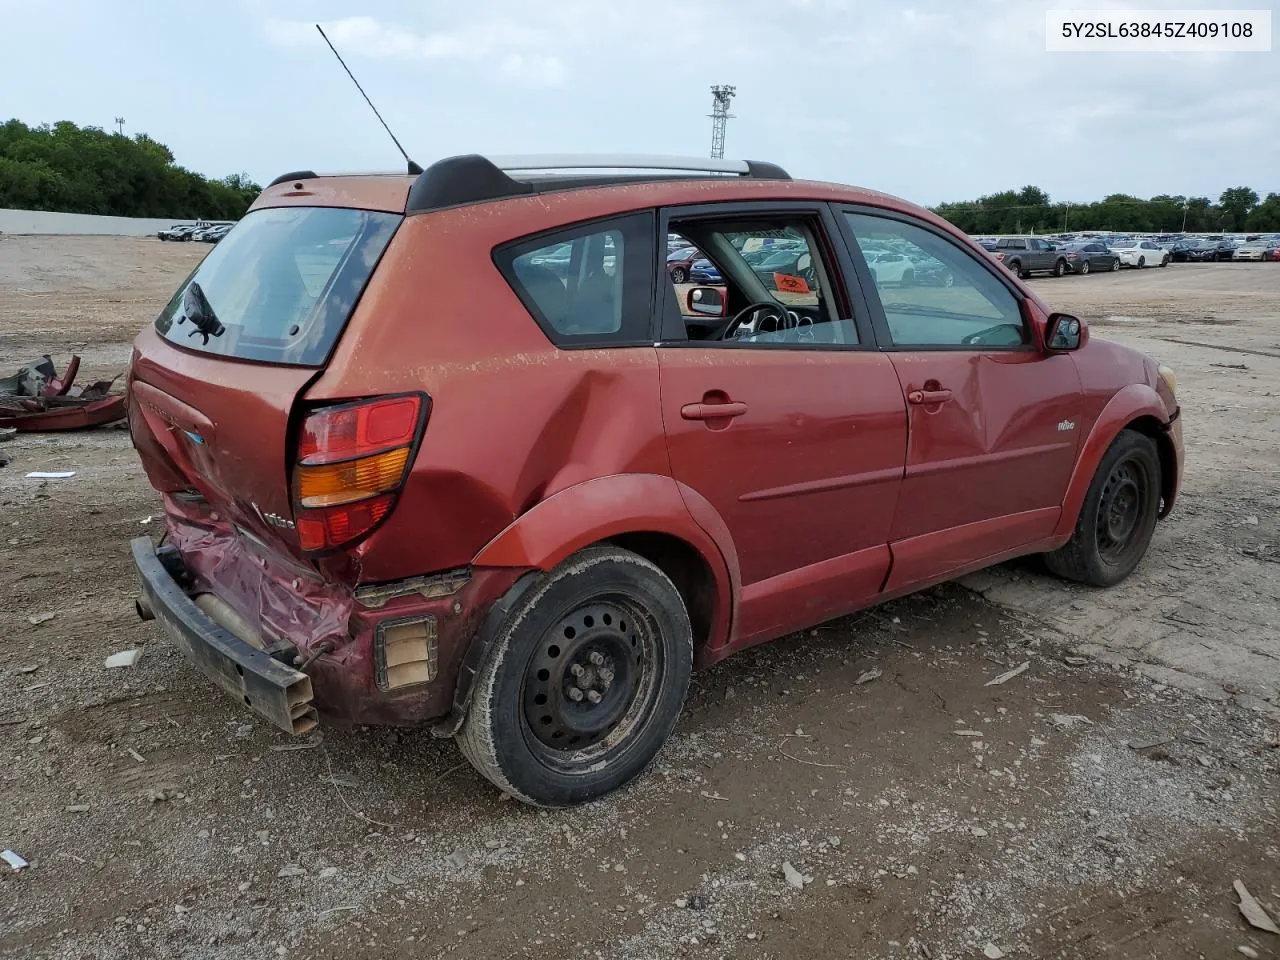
330,484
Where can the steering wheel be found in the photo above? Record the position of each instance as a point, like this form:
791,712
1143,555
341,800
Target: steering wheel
731,326
981,336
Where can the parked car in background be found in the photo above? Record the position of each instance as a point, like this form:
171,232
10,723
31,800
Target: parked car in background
889,267
1028,255
703,270
179,231
1202,251
1180,247
680,262
1087,256
525,532
1257,250
212,234
1140,253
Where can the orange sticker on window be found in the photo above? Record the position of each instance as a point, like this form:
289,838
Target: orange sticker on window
786,283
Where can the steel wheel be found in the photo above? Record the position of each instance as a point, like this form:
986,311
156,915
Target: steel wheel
590,683
1120,508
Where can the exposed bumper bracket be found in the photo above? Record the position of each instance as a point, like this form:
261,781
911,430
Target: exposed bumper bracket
265,685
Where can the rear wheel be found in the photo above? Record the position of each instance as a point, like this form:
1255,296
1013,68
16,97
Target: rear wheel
1084,267
1059,267
1142,262
1115,266
678,275
1118,517
584,683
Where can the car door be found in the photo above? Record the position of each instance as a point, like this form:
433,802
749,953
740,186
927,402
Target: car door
789,429
991,416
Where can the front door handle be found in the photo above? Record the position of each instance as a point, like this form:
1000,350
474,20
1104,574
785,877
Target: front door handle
712,411
927,397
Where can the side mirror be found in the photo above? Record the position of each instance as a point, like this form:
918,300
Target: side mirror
1063,332
707,301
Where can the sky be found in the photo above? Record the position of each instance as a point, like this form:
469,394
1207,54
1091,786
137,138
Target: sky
931,100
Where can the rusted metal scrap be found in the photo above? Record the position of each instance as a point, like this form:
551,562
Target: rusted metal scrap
36,398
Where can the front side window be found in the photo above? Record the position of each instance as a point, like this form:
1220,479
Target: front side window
769,281
940,296
589,284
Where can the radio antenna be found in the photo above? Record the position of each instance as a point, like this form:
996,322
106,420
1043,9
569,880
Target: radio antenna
413,167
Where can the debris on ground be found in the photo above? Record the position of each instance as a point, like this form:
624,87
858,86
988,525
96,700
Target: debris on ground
1252,910
1247,951
36,398
13,860
1009,674
291,870
992,952
875,673
793,876
51,474
1068,720
1076,661
122,658
38,618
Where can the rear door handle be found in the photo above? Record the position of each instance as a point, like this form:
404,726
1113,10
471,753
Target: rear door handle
712,411
927,397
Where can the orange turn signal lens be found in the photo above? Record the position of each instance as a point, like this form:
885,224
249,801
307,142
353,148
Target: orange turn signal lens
330,484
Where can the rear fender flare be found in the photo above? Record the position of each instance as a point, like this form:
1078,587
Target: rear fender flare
1129,404
598,509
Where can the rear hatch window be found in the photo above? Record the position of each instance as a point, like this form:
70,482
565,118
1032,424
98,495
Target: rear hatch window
280,286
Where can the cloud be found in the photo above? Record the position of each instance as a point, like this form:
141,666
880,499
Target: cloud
369,37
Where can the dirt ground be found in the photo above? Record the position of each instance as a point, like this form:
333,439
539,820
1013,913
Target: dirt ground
1100,804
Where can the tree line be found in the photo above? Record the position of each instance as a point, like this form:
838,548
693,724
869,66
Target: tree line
72,169
1029,210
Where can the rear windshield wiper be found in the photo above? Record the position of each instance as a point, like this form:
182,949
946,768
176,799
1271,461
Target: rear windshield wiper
197,309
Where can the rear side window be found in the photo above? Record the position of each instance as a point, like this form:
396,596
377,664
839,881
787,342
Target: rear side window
280,286
587,285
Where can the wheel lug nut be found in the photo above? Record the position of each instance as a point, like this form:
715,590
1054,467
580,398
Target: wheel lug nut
606,676
596,657
576,670
593,696
575,694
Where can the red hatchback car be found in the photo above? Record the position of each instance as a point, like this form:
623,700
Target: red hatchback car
448,449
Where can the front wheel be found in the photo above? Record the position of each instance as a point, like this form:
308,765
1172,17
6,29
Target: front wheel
678,275
1059,267
1117,518
1084,267
1142,262
584,683
1165,261
1115,266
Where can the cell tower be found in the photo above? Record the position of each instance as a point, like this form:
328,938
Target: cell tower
120,125
722,96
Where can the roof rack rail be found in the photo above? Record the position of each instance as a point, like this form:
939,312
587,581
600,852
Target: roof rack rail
472,178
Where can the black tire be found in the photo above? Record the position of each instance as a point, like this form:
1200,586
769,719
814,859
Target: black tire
1115,266
1016,267
1142,262
678,275
1084,268
1164,262
1059,267
1117,518
602,601
908,278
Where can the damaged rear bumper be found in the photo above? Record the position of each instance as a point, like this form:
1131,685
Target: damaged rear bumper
270,688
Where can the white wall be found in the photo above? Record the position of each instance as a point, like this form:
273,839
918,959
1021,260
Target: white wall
41,221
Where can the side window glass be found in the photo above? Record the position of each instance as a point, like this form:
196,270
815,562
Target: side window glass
759,282
588,285
940,296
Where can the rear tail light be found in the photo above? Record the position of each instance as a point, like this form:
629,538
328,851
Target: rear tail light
352,462
999,256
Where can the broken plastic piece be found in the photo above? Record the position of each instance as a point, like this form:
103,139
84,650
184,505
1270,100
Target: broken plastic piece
13,860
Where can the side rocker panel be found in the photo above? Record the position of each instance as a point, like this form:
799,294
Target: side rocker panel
1134,401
